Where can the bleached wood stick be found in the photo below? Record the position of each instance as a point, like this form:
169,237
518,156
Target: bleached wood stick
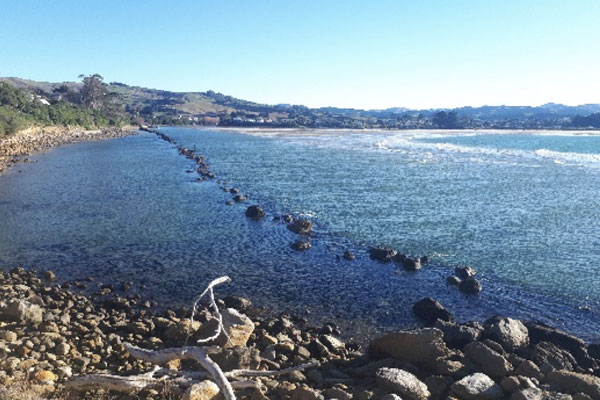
123,384
185,353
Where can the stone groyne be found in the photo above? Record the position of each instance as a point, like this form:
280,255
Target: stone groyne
16,148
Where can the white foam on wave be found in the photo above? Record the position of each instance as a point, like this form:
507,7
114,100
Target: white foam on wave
560,157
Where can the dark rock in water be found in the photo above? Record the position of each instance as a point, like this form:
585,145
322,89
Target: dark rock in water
210,175
459,335
239,303
239,198
399,258
348,255
382,253
411,264
424,260
429,310
288,218
301,245
470,286
229,203
301,227
453,280
255,212
464,272
234,191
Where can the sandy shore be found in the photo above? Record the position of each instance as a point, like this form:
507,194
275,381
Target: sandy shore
16,148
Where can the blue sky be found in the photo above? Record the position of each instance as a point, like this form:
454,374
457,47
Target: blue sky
362,54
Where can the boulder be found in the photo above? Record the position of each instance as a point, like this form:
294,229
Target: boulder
453,280
301,245
23,312
301,227
382,253
477,386
512,334
239,198
306,393
205,390
538,394
403,383
411,264
348,255
470,286
255,212
488,361
464,272
550,357
459,335
238,326
539,332
420,346
573,383
429,310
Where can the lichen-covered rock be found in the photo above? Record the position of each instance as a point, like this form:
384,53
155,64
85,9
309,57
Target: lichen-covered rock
573,383
402,383
488,361
205,390
477,386
511,333
23,312
238,326
420,346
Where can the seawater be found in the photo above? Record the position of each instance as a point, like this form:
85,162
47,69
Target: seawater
521,207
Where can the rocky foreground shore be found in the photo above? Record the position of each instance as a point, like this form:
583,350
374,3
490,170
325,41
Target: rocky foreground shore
50,334
16,148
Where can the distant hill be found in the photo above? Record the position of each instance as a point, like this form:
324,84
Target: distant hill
165,107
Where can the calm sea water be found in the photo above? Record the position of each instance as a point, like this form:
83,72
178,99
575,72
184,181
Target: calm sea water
522,208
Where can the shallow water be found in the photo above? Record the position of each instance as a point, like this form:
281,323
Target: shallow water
521,208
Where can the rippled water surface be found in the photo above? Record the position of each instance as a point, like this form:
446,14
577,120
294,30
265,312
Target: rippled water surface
522,208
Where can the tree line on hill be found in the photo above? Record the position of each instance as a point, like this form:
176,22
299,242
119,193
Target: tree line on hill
92,103
92,106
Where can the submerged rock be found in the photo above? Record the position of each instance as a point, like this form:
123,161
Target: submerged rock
465,272
255,212
348,255
429,310
301,227
470,286
453,280
411,264
301,245
382,253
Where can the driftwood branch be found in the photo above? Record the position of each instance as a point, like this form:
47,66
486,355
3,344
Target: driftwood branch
129,384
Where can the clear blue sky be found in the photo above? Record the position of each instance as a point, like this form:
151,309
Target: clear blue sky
364,54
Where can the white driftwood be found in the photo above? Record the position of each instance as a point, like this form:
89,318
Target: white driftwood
185,353
129,384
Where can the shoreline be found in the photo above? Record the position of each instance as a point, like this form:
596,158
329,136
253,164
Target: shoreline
267,131
52,336
16,148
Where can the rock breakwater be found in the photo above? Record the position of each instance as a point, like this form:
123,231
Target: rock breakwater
16,148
